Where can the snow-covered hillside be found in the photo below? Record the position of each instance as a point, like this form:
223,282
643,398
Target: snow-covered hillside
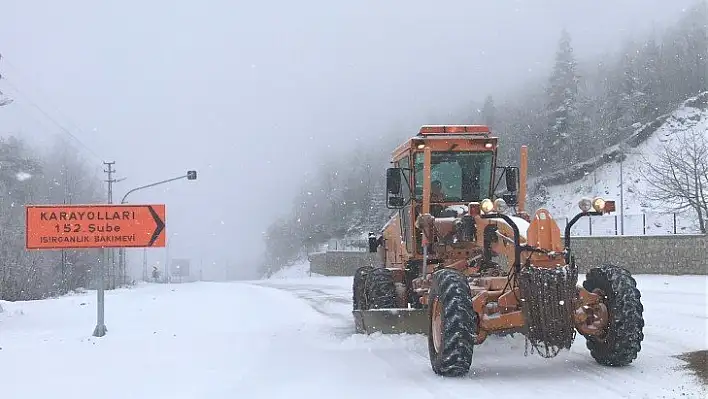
601,177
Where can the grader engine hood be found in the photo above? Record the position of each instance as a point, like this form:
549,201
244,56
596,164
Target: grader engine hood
464,229
452,223
522,224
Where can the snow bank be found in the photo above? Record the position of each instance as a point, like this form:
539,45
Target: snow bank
9,310
300,269
642,148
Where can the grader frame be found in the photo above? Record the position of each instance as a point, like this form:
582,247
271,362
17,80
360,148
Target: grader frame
449,286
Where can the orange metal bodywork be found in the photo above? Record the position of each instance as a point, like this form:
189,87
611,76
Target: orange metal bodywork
478,142
495,298
442,143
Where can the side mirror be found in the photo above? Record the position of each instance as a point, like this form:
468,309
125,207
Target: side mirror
373,243
511,179
394,190
393,181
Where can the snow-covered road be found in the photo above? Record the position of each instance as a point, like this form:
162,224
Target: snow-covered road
294,338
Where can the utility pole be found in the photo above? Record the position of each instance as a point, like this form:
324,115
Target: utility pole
621,198
111,253
64,285
110,181
104,260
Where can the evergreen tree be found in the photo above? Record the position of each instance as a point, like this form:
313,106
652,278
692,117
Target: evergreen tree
685,52
604,117
649,81
697,47
630,95
489,112
562,93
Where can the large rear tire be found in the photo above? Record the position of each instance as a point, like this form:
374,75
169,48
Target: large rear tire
380,289
358,294
453,324
622,339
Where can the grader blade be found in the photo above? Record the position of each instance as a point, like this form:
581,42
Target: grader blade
391,321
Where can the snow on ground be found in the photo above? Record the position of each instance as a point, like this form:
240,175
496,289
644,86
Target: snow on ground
299,269
605,181
294,338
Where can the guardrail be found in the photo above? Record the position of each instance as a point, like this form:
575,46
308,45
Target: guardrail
654,224
346,245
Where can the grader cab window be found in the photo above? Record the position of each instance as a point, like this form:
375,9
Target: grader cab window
462,176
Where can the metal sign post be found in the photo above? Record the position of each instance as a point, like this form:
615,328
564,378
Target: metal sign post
101,329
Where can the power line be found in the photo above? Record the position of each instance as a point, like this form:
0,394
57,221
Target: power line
46,114
19,73
59,125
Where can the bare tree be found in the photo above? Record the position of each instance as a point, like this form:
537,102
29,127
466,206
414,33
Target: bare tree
679,176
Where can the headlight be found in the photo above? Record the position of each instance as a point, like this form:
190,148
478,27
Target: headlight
487,205
500,205
598,204
585,204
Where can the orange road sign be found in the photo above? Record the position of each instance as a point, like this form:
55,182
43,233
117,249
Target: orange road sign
94,226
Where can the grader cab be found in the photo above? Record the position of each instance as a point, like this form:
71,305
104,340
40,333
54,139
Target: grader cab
461,259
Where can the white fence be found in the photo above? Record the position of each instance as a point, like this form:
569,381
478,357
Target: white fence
655,224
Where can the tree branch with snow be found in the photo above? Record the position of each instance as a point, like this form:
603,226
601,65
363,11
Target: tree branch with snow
679,175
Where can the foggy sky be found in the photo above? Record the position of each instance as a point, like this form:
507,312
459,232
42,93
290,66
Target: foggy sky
249,93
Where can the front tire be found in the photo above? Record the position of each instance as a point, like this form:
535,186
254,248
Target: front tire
452,322
621,341
380,289
358,294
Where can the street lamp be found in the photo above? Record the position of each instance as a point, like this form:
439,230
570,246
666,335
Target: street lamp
190,175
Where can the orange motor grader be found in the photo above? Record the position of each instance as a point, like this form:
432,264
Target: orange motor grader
460,260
